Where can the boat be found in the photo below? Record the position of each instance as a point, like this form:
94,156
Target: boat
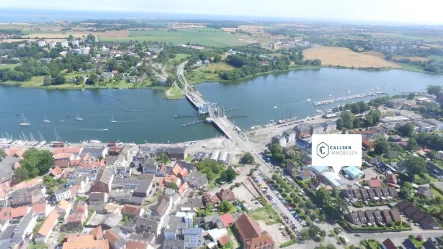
78,118
46,120
112,120
106,129
61,120
330,95
308,100
275,107
95,141
24,121
348,91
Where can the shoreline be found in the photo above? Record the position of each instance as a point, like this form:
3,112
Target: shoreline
404,67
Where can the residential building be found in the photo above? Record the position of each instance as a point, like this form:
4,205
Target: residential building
41,210
438,125
142,225
289,135
316,129
425,192
103,181
85,241
98,198
434,170
174,244
132,210
145,185
162,208
46,229
116,240
26,197
62,194
388,244
251,235
193,237
281,140
24,228
226,195
41,43
422,126
302,130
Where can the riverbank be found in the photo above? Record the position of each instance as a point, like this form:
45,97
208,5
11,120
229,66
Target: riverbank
173,93
212,76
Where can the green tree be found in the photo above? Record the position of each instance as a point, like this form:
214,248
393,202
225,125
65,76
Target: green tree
304,234
330,246
406,130
247,158
163,158
277,152
70,38
412,144
20,175
434,89
217,58
2,153
346,120
90,38
48,181
92,79
47,81
228,175
381,146
58,80
416,165
406,190
225,207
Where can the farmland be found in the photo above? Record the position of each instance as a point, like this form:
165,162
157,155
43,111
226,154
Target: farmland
208,73
202,36
344,57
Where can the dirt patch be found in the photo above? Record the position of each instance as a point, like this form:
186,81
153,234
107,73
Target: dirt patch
119,33
336,56
242,193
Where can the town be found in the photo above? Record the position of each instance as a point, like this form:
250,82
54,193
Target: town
251,189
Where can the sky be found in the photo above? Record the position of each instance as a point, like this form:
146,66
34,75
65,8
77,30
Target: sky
392,11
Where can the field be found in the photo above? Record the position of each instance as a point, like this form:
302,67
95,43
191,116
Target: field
202,36
8,66
208,73
336,56
375,53
410,58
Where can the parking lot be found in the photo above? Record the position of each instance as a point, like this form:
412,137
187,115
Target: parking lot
275,232
243,192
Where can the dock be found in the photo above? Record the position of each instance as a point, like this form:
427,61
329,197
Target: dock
348,98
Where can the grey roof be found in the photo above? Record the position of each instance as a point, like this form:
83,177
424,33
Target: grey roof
192,231
162,206
92,150
174,244
110,160
97,196
104,175
195,180
60,191
6,167
7,234
24,223
175,223
188,166
145,183
141,224
149,164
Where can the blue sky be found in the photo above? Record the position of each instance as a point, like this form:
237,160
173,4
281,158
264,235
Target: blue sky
402,11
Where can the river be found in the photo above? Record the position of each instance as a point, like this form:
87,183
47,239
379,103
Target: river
143,115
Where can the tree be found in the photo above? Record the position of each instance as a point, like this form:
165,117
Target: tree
171,79
163,158
37,162
416,165
411,96
59,80
247,158
346,120
48,181
2,153
412,144
277,152
304,234
70,38
381,146
225,206
406,190
217,58
90,38
20,175
47,81
92,79
316,62
330,246
434,89
228,175
406,130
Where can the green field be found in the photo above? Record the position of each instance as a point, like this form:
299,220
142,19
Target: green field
202,36
8,66
208,73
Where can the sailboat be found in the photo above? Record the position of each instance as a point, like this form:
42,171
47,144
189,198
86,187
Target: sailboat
78,118
46,120
24,122
112,120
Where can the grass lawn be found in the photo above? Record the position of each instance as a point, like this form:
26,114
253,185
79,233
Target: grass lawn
36,81
266,213
173,93
8,66
417,243
208,73
203,36
37,246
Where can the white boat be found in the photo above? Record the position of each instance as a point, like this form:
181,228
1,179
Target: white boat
112,120
61,120
308,100
95,141
106,129
78,118
46,120
348,91
275,107
24,121
330,95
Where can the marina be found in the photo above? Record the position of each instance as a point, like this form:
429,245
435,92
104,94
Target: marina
348,98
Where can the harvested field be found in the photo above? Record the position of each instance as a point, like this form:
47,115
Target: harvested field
336,56
375,53
55,35
120,33
415,58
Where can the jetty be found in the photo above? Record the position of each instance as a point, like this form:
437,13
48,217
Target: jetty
348,98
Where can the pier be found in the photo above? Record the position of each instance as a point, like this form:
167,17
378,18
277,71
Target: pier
348,98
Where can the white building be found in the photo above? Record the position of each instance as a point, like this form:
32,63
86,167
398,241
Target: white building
85,51
76,43
65,44
62,194
52,45
41,43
